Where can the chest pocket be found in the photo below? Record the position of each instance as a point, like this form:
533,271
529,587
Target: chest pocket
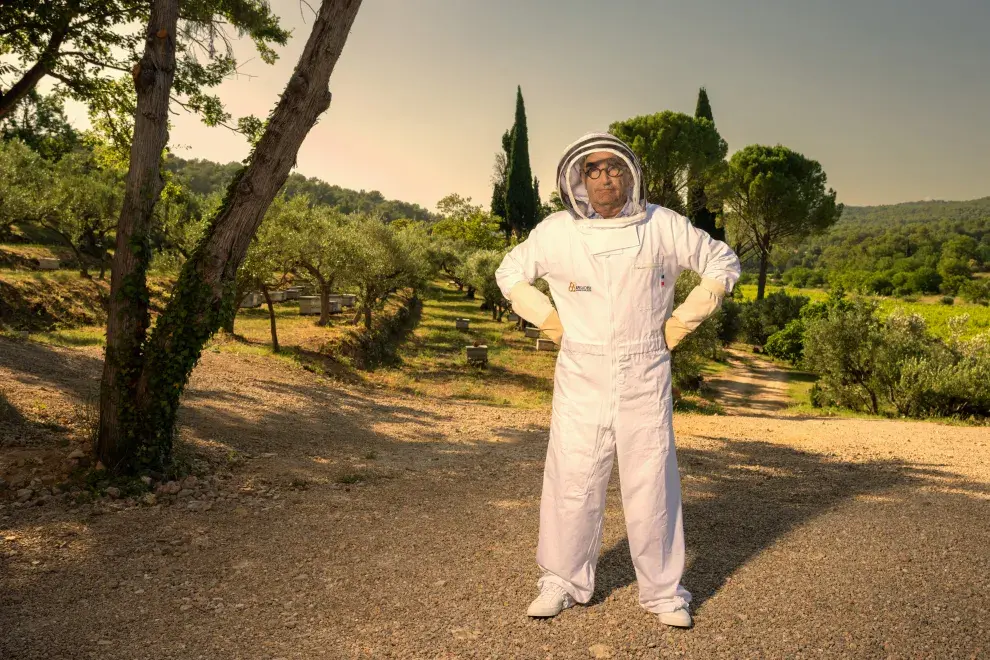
648,278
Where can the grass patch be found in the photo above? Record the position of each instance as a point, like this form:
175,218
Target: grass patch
697,404
799,384
72,337
433,362
931,308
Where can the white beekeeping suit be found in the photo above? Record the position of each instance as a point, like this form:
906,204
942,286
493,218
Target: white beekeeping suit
612,280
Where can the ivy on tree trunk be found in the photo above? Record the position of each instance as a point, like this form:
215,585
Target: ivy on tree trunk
141,435
121,409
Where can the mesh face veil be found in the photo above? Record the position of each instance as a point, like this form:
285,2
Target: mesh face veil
574,194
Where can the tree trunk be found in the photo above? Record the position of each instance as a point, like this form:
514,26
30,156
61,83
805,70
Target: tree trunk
118,440
367,317
228,321
762,282
325,302
203,294
271,316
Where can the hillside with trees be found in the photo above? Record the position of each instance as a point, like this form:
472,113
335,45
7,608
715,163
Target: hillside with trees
903,249
205,177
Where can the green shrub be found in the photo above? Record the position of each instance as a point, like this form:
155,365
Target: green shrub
762,318
730,321
926,280
873,364
688,358
787,344
880,285
976,291
947,300
841,348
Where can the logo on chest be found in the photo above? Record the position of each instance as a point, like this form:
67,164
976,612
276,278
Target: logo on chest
572,287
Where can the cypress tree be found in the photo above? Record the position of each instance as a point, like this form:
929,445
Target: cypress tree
520,211
499,179
537,202
697,199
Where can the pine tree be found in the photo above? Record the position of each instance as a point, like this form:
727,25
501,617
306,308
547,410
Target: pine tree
697,199
520,211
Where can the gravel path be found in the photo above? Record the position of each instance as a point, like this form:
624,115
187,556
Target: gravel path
357,523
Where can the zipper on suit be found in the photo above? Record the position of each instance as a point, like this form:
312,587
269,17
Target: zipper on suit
613,376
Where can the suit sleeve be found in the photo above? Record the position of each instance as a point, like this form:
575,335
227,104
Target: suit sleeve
719,268
524,264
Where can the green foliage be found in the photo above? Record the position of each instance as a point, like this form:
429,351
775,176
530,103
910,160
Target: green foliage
869,363
499,178
688,358
730,323
880,250
382,264
762,318
82,45
82,205
774,196
787,344
23,174
520,200
40,123
466,223
697,201
479,272
678,152
205,177
976,291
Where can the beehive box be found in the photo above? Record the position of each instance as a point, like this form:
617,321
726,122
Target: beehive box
252,299
477,354
309,305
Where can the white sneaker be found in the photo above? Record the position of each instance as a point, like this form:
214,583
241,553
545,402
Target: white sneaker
680,618
551,601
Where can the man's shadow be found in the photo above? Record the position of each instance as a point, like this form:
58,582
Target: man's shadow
747,495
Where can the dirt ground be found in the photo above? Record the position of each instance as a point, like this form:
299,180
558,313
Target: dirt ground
354,522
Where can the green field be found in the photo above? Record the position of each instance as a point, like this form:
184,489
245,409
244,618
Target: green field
930,308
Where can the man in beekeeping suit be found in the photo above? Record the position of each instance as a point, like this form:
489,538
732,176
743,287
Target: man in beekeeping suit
611,260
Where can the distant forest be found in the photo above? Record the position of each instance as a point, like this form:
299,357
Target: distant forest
916,247
205,177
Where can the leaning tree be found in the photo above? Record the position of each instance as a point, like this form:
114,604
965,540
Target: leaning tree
145,373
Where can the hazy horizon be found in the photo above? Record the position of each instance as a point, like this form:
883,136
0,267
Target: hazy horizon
892,99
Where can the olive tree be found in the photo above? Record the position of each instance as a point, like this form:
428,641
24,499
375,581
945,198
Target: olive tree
382,265
324,247
480,270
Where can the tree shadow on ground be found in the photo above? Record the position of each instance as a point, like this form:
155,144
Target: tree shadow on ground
33,363
749,494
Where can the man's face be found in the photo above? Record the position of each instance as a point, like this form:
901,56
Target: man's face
607,193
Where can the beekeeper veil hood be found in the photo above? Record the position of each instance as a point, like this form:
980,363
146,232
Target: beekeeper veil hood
574,194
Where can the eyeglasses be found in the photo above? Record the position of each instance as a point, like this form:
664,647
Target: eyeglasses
611,168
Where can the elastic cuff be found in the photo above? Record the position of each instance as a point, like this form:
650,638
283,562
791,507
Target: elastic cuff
714,287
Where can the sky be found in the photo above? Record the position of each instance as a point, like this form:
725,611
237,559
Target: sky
892,97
